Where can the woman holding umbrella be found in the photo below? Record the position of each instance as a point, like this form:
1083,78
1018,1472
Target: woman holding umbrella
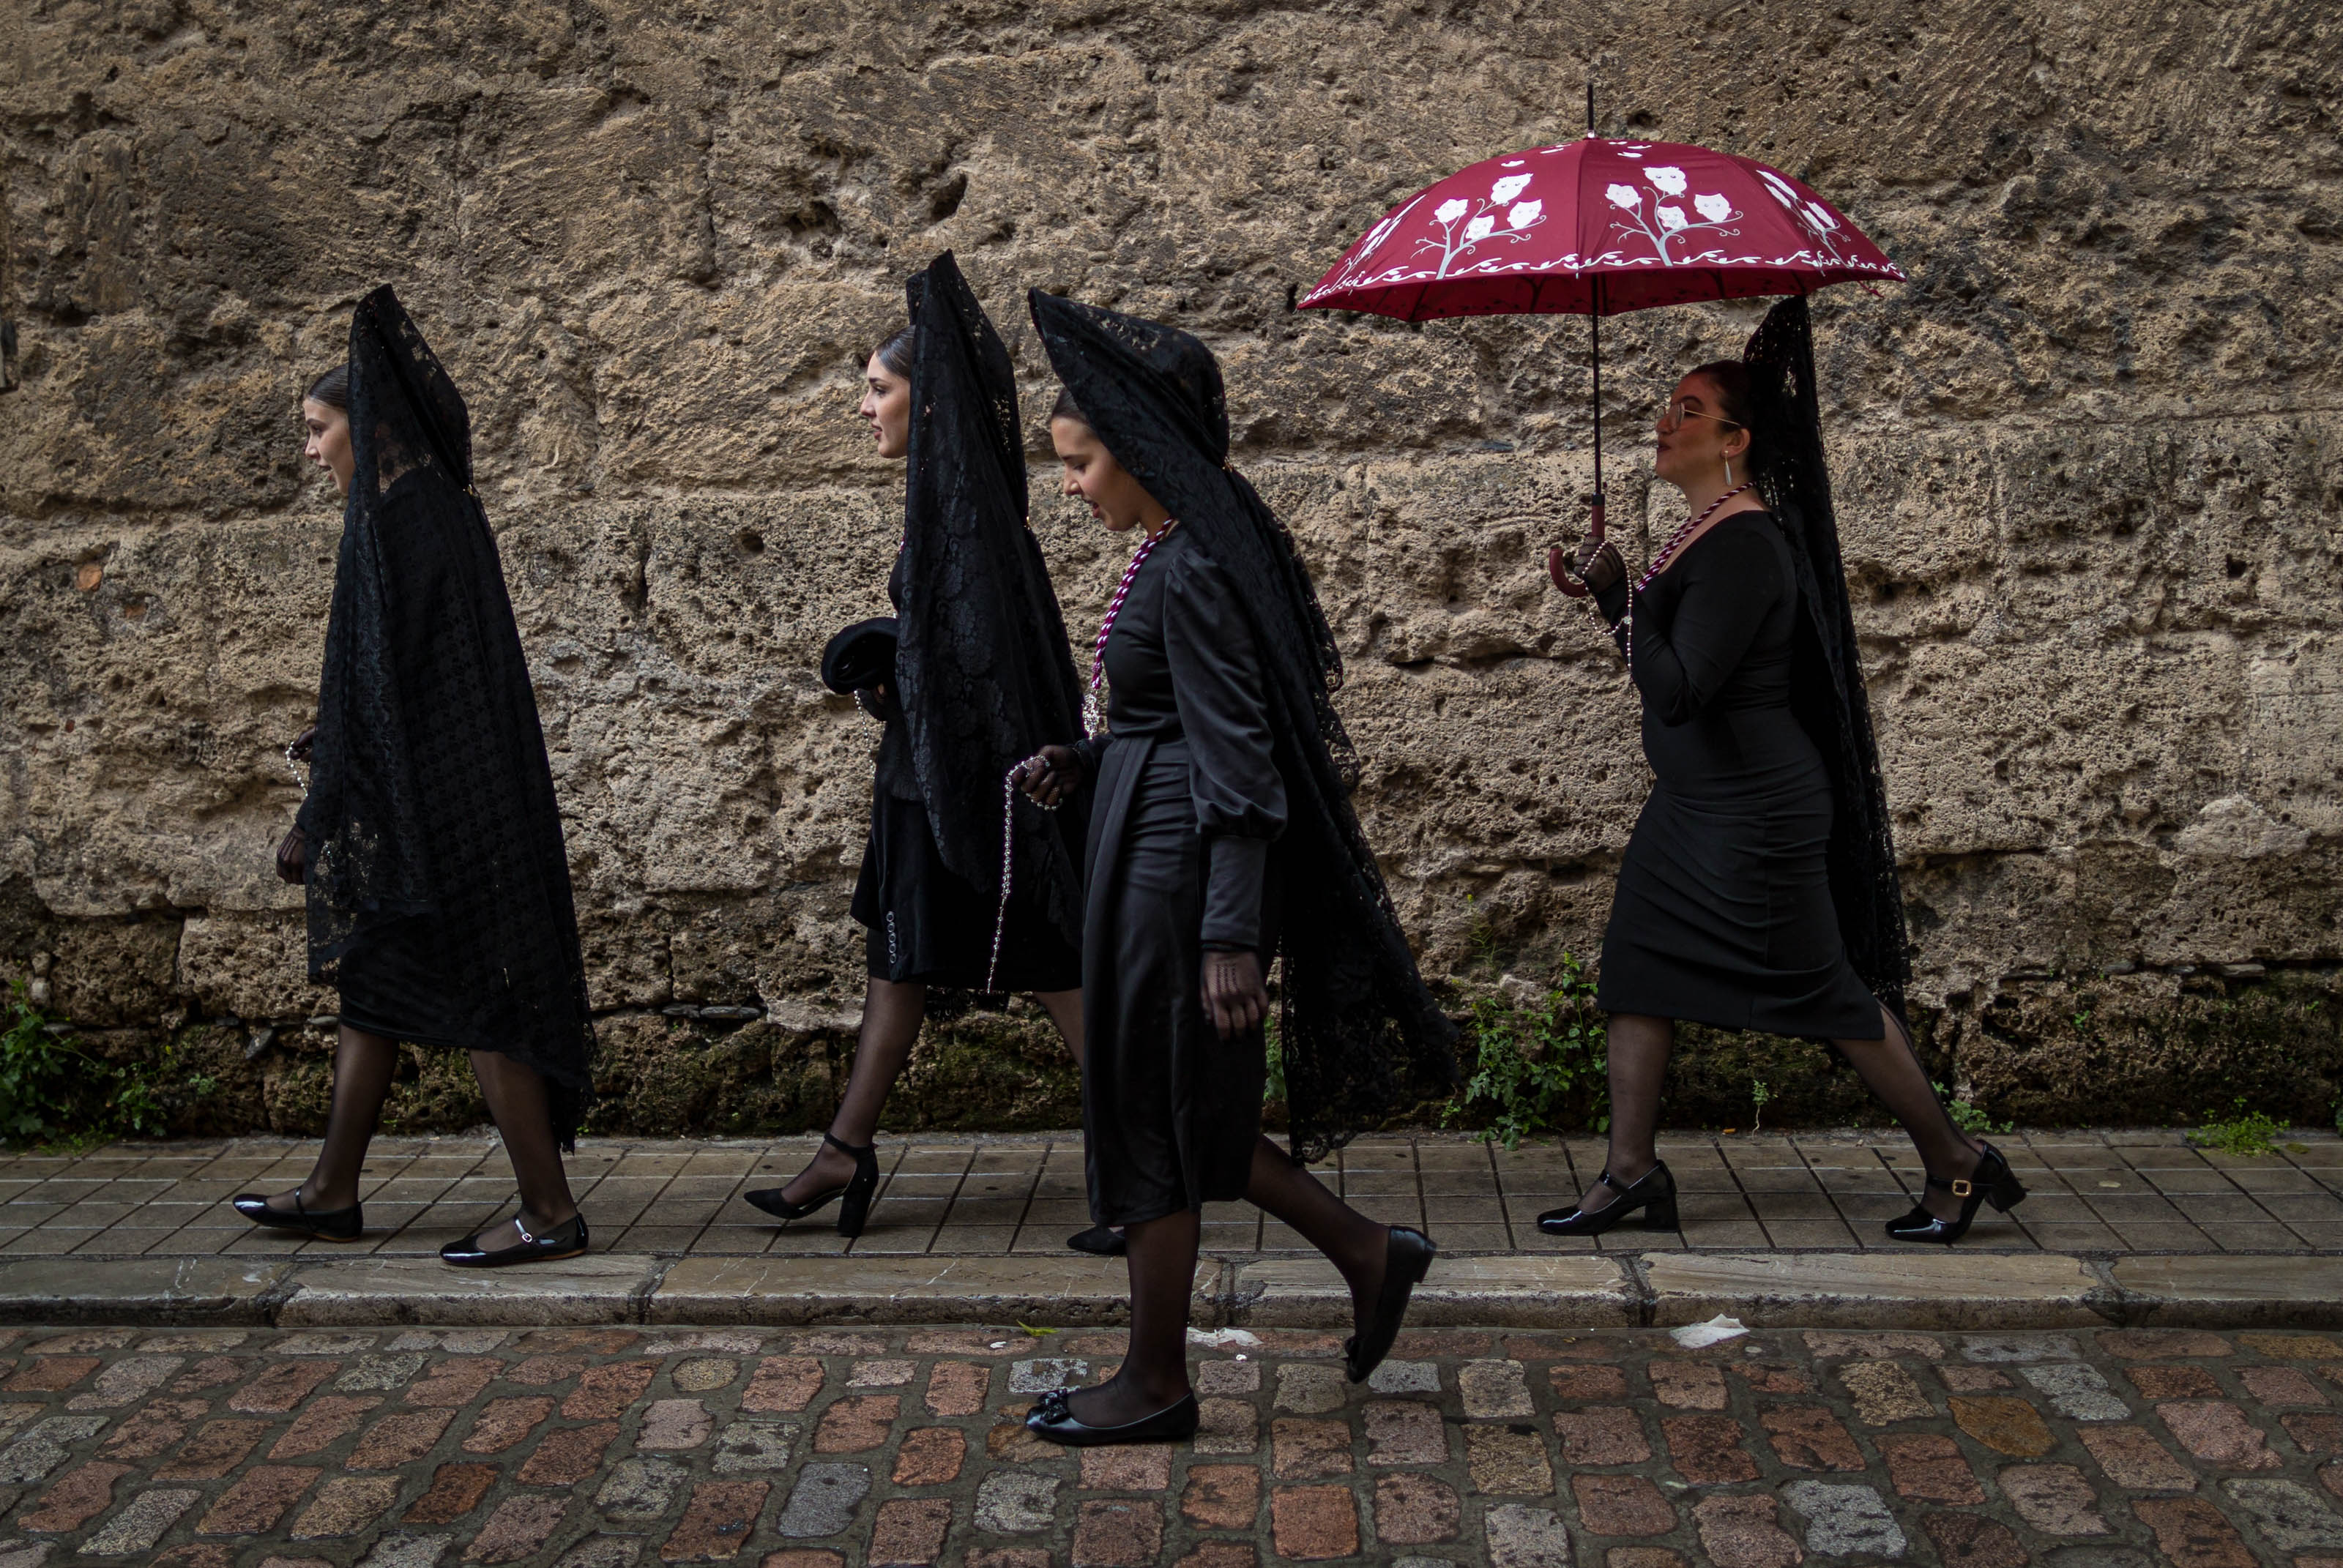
1759,889
1223,779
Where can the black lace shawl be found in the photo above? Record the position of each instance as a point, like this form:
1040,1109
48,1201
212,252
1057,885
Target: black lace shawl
430,819
1360,1037
1827,691
982,667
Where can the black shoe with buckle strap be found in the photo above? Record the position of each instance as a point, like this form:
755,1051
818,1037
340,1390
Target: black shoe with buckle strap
1653,1195
567,1240
324,1224
1991,1182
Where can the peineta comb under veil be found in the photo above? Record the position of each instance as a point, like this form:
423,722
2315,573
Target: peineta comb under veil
1360,1035
438,887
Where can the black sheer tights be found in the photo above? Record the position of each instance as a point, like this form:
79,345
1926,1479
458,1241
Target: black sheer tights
1639,1047
892,1011
1162,1255
363,1066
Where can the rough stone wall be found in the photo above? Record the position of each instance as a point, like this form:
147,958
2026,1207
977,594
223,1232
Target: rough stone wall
2088,464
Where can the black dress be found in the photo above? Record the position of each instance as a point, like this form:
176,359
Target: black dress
926,924
1187,798
1723,912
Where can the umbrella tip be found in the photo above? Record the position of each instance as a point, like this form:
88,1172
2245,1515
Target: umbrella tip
1590,107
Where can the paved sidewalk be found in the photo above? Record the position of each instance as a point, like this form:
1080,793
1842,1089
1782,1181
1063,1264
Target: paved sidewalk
613,1447
2091,1193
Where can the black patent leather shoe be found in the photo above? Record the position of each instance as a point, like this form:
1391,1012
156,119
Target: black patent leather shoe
1099,1241
567,1240
1991,1182
1407,1258
853,1213
324,1224
1653,1194
1053,1422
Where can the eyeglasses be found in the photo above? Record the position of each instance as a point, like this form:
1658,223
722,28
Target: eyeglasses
1677,413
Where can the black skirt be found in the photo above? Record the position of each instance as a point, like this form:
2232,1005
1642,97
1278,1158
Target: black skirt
929,926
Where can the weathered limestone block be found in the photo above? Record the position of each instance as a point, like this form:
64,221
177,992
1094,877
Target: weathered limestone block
115,973
250,966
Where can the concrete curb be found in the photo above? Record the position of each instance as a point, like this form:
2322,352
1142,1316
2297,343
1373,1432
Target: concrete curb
1955,1291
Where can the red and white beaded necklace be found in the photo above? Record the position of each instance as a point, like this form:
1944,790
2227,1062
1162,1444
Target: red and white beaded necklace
1094,699
1668,552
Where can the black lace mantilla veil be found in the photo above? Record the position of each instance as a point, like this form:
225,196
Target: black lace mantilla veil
1360,1037
982,665
1827,691
431,821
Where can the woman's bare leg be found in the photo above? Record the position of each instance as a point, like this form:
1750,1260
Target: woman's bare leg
892,1011
524,1118
363,1067
1891,1070
1638,1047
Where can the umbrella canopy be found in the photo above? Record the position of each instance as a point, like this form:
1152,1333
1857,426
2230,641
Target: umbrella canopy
1598,227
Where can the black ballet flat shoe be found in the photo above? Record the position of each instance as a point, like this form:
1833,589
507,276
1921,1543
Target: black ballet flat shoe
1407,1258
1053,1422
324,1224
1654,1193
1100,1241
567,1240
852,1214
1991,1182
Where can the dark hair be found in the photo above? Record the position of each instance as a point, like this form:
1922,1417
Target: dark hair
1737,400
1065,407
895,354
332,388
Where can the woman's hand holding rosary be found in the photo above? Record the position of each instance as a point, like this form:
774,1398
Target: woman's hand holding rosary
293,850
1235,999
1049,775
1596,563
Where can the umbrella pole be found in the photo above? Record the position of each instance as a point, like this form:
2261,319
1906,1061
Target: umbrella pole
1595,340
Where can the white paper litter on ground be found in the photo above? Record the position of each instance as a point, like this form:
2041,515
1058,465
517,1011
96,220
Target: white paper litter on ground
1715,1331
1222,1338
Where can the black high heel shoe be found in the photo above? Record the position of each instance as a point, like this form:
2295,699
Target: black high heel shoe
1051,1421
1407,1258
567,1240
1653,1192
1991,1182
853,1213
324,1224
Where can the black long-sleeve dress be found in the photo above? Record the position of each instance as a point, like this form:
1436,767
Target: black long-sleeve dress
1187,803
1723,911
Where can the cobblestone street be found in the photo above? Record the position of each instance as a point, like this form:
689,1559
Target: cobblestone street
594,1448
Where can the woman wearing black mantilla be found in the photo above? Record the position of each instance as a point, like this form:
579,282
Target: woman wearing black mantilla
1759,889
969,676
430,841
1221,785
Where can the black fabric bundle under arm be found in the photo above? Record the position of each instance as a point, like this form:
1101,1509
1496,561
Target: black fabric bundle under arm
1731,579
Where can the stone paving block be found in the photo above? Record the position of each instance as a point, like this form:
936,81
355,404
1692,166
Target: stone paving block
598,1288
380,1373
1117,1532
1523,1290
1309,1388
282,1386
2281,1385
126,1382
2010,1426
571,1456
2192,1533
672,1426
1013,1503
345,1505
454,1491
1972,1540
1845,1521
1227,1426
454,1381
1972,1380
1743,1531
399,1438
142,1523
1883,1392
1222,1496
1415,1511
51,1374
1809,1437
1306,1450
2007,1349
1505,1462
1042,1373
608,1390
425,1551
1136,1467
1311,1523
2289,1515
1601,1434
756,1447
2216,1431
1518,1536
2133,1458
1929,1467
856,1425
1404,1434
635,1489
79,1495
1854,1289
2174,1382
257,1500
1686,1386
1493,1389
718,1521
519,1528
703,1374
954,1388
2077,1392
1586,1383
218,1447
2053,1498
322,1422
1622,1505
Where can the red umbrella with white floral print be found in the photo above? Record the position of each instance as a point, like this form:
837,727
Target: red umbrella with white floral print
1595,227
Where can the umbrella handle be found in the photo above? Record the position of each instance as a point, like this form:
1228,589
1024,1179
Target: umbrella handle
1554,557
